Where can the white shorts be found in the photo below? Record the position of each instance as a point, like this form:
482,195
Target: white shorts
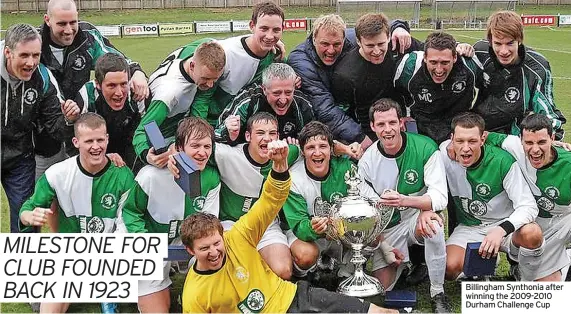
557,234
151,286
273,234
400,237
463,235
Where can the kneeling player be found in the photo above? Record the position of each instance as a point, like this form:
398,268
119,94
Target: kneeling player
88,189
317,182
229,274
494,203
405,170
156,204
548,172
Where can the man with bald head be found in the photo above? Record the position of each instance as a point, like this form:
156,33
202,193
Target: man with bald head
70,49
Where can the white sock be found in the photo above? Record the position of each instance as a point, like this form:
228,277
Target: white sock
435,255
529,261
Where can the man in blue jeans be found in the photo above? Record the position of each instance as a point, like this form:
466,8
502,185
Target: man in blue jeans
29,99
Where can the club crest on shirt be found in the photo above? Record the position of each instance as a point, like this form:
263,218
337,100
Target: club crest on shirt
242,274
458,87
198,203
30,96
108,201
552,192
483,189
411,176
512,95
288,128
335,196
78,63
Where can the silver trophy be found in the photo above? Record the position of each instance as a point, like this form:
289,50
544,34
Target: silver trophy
357,222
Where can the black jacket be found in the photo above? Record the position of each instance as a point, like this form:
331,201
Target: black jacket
357,83
78,62
434,105
121,124
510,93
316,83
252,100
28,105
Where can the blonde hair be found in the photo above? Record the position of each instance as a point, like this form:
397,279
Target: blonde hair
212,55
332,23
505,24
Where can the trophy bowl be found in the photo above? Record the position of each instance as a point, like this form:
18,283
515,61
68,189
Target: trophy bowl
357,222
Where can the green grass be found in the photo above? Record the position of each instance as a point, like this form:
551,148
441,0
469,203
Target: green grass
553,43
110,17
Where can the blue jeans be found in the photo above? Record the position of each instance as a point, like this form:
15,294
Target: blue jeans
18,183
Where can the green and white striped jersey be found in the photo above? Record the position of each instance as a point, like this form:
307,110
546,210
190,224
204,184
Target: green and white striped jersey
492,190
87,203
242,69
309,192
242,178
156,204
415,170
550,185
173,91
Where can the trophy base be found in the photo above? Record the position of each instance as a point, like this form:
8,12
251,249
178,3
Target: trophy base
361,286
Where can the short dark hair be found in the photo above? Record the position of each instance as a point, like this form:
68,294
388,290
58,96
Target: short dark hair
197,226
192,127
537,122
440,41
468,120
110,62
371,24
267,8
260,116
89,119
315,129
382,105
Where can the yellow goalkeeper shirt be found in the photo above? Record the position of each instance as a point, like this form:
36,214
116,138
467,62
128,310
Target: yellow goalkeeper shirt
244,283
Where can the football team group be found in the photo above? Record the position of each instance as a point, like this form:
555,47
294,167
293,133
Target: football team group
427,125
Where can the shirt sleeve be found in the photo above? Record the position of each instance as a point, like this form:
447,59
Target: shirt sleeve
525,207
133,211
435,180
298,219
158,112
43,196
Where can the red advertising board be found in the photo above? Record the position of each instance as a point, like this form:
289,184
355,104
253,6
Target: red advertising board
539,20
295,24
